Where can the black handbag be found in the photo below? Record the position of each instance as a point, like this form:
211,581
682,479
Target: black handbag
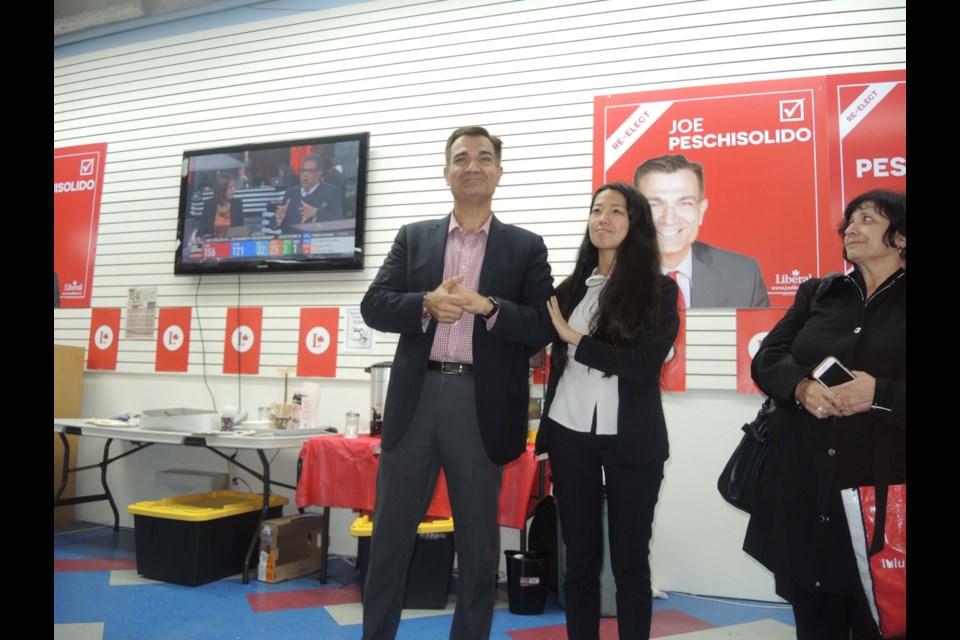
740,477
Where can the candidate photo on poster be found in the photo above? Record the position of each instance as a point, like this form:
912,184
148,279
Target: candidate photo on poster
708,276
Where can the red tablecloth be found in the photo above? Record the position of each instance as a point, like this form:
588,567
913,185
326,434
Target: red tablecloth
341,472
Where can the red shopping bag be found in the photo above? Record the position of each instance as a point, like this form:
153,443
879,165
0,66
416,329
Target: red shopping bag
882,561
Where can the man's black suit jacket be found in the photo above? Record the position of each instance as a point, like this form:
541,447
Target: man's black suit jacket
326,198
516,271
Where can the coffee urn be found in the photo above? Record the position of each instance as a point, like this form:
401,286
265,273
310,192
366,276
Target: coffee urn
379,378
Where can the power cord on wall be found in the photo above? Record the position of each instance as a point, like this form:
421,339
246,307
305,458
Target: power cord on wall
203,346
239,379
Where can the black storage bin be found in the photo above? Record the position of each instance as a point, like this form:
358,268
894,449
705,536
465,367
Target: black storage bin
193,540
428,578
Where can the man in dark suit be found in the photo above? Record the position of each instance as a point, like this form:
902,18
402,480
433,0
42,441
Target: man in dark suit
312,201
467,294
707,276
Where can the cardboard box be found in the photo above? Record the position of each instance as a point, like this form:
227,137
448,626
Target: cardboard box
290,547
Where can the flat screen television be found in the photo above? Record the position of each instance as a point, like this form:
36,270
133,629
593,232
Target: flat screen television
297,205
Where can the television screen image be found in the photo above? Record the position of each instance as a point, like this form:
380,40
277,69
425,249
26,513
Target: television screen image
279,206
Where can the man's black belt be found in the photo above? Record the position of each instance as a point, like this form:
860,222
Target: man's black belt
455,368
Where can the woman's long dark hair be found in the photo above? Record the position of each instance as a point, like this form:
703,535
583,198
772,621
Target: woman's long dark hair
630,301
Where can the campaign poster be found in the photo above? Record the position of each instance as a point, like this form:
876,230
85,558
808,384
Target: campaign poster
317,350
753,325
104,339
77,186
747,233
241,348
867,118
173,339
673,376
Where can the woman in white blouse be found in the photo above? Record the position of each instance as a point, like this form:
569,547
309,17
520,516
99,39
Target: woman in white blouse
616,320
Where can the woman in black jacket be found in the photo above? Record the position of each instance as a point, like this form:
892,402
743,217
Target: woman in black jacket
824,439
616,318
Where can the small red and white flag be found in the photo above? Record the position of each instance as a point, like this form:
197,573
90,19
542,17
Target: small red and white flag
173,339
104,337
317,350
241,344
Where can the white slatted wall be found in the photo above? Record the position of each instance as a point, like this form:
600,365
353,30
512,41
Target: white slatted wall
409,72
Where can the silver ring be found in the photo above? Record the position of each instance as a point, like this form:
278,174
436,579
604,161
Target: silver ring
819,411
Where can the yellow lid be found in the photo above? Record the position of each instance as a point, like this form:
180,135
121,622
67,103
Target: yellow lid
363,526
204,506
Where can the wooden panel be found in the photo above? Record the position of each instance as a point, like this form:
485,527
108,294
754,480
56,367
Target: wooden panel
67,396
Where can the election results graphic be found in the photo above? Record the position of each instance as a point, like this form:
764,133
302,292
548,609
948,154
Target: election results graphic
77,186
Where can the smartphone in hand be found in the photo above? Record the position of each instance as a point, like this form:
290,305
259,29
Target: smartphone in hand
830,372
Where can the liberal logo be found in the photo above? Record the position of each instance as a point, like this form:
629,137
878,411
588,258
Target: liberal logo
794,277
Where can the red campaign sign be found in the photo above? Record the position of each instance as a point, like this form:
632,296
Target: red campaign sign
241,343
77,186
760,145
673,377
317,353
541,374
104,336
867,120
173,339
753,325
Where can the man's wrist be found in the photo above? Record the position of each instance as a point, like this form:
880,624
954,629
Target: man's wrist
494,307
424,313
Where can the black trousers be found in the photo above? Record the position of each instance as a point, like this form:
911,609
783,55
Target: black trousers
578,462
830,616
